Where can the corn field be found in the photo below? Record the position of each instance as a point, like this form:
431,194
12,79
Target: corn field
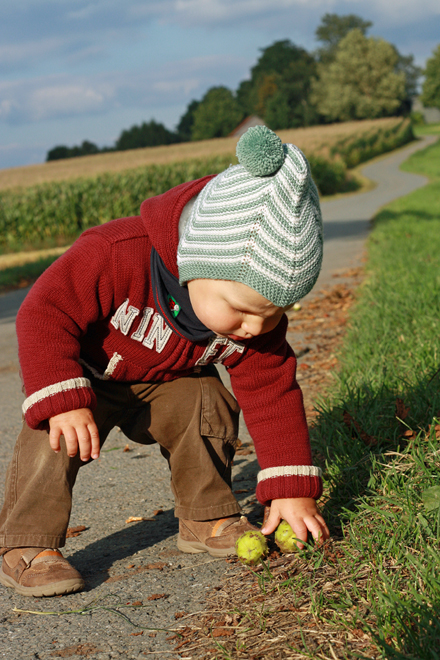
59,211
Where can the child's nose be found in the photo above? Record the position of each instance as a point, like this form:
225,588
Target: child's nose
253,325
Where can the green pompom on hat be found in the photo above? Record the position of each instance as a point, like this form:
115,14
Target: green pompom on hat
260,151
258,223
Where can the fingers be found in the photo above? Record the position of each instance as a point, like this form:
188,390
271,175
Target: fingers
54,439
80,433
303,517
94,437
84,438
272,522
317,527
300,530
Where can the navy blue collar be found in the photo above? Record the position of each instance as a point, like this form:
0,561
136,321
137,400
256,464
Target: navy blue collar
173,303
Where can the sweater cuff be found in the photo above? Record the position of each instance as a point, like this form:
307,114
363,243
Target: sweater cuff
55,399
289,481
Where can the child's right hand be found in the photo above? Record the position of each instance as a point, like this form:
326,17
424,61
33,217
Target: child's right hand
79,430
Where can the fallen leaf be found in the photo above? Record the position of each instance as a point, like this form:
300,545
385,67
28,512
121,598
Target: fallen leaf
222,632
140,569
137,519
137,603
127,448
141,632
86,650
179,615
75,531
351,422
157,596
402,411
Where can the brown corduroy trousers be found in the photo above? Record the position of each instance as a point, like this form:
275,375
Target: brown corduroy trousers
194,419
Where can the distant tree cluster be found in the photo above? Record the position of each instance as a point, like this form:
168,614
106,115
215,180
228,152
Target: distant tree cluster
351,76
86,148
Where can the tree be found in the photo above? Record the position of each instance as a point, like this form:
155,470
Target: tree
149,134
217,114
290,106
59,152
361,82
405,64
431,87
279,86
333,28
184,127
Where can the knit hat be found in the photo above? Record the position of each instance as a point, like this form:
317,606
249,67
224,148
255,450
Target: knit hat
258,222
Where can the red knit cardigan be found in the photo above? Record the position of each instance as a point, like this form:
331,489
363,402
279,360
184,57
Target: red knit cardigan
95,306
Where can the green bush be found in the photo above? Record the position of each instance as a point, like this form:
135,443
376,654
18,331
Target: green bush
355,150
417,119
329,176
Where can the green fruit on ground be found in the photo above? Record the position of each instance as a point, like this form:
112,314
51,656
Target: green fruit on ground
285,537
251,547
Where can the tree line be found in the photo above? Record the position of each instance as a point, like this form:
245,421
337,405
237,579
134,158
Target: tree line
351,76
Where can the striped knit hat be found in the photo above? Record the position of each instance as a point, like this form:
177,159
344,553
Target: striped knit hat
258,223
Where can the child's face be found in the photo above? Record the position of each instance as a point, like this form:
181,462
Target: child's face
232,309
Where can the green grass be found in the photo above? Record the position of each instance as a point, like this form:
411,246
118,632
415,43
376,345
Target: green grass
374,591
20,276
427,129
378,480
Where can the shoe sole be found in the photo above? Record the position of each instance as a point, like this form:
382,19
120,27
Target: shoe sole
193,547
56,589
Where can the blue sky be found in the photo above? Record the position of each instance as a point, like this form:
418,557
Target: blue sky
86,69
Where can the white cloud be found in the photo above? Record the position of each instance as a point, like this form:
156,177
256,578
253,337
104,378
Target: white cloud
175,83
67,99
18,53
35,100
211,12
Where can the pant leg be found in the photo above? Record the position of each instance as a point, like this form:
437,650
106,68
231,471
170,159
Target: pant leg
195,422
39,483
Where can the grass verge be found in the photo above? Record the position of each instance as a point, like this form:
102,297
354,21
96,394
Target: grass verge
374,590
18,277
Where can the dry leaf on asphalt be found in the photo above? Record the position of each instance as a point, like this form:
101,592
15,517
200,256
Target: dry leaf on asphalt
75,531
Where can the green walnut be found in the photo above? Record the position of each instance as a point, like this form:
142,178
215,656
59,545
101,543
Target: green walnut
285,537
251,547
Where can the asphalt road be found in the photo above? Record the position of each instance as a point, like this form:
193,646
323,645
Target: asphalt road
139,562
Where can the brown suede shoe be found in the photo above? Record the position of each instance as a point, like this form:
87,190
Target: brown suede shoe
217,537
38,572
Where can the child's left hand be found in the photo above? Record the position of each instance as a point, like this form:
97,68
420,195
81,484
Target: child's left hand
303,516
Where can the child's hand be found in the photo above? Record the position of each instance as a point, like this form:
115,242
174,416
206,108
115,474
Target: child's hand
302,514
79,429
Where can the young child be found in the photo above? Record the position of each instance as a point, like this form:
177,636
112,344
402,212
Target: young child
125,329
